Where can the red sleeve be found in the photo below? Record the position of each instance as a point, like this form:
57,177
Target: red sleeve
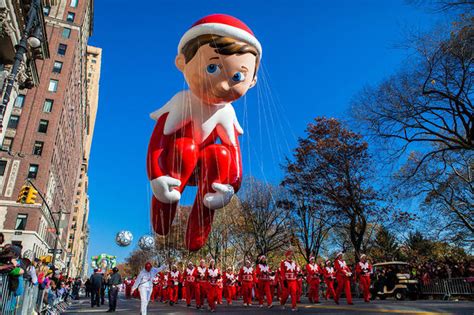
235,177
240,274
156,146
358,269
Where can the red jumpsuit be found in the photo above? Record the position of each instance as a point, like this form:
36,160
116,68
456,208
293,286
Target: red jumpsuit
213,276
343,276
164,287
229,286
289,278
174,278
220,290
299,287
186,149
313,272
329,276
263,273
247,278
128,288
155,293
363,272
191,285
279,283
201,285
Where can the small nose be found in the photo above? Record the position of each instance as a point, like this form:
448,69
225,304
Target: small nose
224,86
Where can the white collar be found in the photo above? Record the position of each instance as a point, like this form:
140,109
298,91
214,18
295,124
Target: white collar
213,272
174,274
313,267
264,268
291,266
248,270
190,271
185,107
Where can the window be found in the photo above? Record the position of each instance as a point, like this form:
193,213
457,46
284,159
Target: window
57,67
33,171
13,122
62,49
38,148
7,144
70,16
74,3
46,10
43,126
48,105
66,32
20,100
53,85
21,221
3,167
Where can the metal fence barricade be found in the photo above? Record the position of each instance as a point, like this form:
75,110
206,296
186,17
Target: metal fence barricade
449,287
3,292
460,286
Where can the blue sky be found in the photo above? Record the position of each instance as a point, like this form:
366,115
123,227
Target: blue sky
316,56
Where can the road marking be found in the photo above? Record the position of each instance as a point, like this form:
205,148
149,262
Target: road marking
374,310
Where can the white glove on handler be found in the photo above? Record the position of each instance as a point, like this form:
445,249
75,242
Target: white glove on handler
163,189
220,198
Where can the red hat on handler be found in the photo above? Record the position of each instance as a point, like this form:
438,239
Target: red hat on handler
148,266
222,25
289,253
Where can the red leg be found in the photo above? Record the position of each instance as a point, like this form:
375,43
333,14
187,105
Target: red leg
214,167
180,161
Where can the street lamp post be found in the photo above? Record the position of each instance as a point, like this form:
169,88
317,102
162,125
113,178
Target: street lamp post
27,38
56,225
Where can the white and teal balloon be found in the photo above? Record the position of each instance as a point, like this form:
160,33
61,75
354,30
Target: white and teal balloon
123,238
146,242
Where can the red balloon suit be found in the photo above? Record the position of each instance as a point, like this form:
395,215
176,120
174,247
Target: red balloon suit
184,146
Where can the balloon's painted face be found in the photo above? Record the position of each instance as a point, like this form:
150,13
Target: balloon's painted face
216,78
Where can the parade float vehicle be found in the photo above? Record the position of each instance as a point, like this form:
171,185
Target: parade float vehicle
392,279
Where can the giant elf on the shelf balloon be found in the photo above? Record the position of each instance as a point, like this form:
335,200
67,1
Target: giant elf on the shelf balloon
195,140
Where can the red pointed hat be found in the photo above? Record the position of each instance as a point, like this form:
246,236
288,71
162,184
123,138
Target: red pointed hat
222,25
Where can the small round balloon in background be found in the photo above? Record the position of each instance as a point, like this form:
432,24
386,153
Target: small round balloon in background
123,238
146,242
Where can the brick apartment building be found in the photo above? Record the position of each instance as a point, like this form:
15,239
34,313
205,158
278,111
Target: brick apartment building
47,141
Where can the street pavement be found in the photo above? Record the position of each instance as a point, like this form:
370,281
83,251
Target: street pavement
426,307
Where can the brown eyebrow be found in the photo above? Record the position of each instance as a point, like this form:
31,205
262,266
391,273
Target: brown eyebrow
213,58
244,67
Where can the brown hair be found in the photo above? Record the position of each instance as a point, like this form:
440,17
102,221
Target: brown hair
223,46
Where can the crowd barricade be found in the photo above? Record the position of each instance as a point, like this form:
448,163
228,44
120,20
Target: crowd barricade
32,301
449,287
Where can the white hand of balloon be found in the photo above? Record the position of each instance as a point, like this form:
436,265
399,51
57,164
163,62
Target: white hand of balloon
163,189
220,198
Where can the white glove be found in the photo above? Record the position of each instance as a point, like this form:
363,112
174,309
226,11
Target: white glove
163,189
220,198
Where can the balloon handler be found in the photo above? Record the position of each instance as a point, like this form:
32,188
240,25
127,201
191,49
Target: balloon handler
195,140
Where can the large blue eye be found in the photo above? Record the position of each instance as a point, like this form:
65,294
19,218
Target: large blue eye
238,77
213,69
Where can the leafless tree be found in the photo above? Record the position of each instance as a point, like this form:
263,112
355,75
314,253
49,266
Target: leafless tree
267,222
428,103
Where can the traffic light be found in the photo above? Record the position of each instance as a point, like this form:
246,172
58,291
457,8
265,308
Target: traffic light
23,195
31,197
